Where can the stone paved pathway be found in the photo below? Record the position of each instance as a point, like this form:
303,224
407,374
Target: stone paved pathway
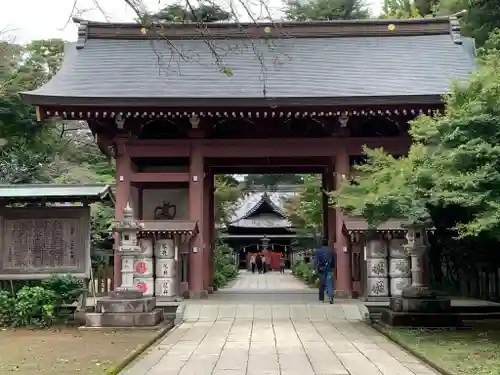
271,281
276,338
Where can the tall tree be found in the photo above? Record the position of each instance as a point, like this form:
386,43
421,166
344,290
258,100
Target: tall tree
305,211
454,161
186,13
274,179
323,10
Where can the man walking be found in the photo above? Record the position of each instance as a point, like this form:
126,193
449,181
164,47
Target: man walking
324,263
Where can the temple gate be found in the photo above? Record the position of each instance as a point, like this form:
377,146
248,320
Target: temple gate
308,101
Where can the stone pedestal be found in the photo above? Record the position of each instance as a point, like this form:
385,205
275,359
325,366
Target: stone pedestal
124,310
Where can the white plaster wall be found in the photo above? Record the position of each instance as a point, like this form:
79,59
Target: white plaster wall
152,198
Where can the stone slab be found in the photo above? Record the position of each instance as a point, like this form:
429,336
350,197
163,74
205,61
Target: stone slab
415,319
120,305
427,305
125,293
124,319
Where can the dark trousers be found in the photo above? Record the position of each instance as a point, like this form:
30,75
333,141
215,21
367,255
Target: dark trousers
282,269
325,282
253,267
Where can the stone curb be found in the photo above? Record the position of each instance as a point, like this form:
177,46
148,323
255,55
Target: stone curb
139,350
179,314
410,350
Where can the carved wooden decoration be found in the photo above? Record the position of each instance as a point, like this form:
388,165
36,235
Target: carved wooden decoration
38,242
166,211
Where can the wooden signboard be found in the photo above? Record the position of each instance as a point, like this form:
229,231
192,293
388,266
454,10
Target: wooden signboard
37,242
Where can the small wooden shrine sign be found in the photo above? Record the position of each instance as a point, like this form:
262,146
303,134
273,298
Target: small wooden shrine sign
37,242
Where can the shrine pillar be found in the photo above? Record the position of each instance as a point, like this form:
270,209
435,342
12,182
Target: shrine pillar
343,277
207,258
122,197
198,251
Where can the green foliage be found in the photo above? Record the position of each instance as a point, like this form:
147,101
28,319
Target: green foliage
39,305
6,308
270,180
33,306
66,289
323,10
226,196
224,267
454,160
305,272
102,218
180,13
305,211
388,188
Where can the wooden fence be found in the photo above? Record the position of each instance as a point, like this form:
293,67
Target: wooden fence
481,283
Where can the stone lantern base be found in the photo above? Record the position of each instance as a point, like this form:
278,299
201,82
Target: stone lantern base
420,307
125,308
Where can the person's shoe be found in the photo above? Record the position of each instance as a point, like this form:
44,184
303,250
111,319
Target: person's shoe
331,301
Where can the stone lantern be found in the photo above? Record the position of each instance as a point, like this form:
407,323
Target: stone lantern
265,242
418,306
126,307
127,230
417,245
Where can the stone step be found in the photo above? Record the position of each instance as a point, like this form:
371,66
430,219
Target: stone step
124,319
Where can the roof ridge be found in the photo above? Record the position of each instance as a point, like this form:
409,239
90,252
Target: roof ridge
266,30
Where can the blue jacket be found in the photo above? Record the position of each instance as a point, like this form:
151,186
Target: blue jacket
324,255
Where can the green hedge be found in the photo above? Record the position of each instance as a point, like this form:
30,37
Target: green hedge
39,305
304,271
224,268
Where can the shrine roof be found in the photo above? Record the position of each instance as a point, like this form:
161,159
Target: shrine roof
55,193
332,63
244,216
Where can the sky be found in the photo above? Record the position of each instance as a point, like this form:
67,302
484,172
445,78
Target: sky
25,20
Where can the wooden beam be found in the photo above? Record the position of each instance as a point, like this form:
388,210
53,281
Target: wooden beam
160,177
258,148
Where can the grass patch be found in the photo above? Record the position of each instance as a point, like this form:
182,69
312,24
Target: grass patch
463,351
66,350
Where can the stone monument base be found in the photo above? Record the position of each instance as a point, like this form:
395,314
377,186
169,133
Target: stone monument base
417,319
124,309
420,307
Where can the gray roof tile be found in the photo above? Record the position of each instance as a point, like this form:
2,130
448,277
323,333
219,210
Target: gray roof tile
309,67
55,192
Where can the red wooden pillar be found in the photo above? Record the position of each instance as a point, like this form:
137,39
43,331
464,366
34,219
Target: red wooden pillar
196,210
207,256
123,171
211,236
343,285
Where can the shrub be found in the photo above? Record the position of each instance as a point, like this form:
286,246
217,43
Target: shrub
33,306
224,267
304,271
66,289
219,279
39,305
6,308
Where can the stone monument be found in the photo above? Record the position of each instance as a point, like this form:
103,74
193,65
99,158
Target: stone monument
126,306
418,305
